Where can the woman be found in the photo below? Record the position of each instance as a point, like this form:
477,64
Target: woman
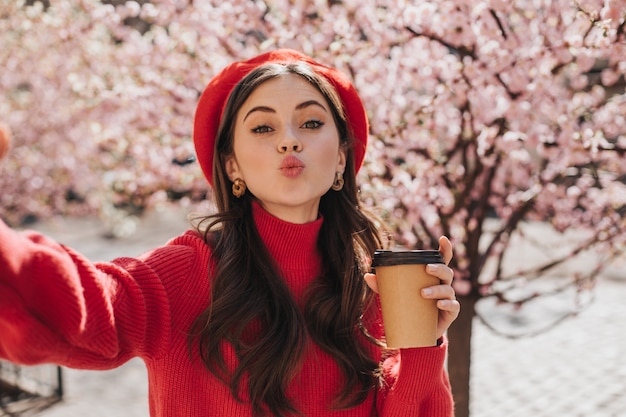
264,309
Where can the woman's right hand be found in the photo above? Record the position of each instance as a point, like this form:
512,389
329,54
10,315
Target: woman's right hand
5,140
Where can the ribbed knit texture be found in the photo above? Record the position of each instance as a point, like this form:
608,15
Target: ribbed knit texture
56,306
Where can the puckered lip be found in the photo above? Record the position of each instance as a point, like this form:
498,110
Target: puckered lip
291,162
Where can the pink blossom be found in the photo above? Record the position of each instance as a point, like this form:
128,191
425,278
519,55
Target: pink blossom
488,104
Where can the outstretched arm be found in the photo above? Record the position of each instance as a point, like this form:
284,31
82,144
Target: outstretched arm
57,306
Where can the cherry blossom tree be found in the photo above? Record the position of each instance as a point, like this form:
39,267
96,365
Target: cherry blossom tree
100,113
494,116
487,118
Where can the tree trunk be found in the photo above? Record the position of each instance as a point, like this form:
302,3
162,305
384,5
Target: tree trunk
460,354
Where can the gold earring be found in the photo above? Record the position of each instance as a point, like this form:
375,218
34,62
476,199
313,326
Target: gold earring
239,187
338,183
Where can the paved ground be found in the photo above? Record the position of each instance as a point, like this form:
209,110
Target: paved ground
574,369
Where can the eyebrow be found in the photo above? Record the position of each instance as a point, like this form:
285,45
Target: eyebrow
300,106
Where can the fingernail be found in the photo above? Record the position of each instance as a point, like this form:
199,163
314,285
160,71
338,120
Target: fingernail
430,268
427,291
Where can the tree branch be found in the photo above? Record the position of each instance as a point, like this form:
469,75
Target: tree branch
498,22
582,282
538,271
536,332
461,50
505,232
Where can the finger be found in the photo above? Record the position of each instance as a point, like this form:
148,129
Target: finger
445,247
5,140
449,310
441,271
439,292
371,281
450,306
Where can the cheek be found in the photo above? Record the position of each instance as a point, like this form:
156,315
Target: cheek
332,156
251,159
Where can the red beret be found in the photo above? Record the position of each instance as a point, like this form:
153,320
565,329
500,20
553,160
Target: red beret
213,100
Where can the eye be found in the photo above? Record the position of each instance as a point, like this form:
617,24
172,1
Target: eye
262,129
312,124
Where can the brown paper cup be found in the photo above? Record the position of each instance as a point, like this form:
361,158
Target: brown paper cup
410,320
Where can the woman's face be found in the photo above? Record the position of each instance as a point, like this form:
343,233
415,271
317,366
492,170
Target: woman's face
286,148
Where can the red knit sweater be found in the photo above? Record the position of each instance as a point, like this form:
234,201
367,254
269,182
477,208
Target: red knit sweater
58,307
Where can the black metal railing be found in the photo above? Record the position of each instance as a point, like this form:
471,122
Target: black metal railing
26,389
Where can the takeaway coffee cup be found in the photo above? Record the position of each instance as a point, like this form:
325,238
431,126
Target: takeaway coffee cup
409,319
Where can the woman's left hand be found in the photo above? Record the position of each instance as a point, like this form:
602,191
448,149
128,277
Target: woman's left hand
447,303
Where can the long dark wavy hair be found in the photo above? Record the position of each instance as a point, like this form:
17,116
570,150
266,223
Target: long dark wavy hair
244,270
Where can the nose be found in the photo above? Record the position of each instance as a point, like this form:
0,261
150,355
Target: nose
289,143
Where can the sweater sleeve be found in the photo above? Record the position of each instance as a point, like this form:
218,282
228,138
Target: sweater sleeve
417,384
58,307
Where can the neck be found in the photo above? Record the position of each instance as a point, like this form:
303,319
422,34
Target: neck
296,215
292,246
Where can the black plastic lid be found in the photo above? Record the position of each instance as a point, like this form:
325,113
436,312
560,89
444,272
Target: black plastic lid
403,257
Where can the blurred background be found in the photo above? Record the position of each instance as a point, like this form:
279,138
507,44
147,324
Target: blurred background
500,124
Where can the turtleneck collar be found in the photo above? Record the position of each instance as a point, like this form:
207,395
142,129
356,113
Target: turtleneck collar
293,246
